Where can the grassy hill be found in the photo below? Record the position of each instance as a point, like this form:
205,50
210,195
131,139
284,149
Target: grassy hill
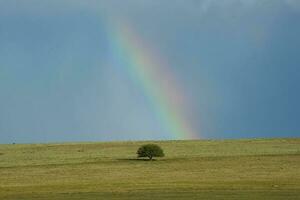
231,169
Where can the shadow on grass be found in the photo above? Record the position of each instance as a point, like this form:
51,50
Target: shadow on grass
135,159
154,159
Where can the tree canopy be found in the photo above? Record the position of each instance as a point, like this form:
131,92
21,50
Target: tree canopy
150,151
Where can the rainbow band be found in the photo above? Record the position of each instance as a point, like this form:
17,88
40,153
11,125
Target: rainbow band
157,82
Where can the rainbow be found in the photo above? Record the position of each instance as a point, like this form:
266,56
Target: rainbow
155,78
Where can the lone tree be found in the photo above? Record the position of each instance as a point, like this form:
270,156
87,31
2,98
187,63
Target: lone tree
150,151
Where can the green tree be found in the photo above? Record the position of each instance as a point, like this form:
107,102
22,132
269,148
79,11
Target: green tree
150,151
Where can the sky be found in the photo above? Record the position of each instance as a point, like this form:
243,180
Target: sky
74,70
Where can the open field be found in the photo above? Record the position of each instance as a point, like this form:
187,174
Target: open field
257,169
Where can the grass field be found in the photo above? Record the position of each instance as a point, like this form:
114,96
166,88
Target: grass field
259,169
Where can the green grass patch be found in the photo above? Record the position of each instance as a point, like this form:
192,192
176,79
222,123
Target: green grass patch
198,169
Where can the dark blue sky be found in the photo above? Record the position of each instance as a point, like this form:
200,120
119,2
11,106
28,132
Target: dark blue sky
238,62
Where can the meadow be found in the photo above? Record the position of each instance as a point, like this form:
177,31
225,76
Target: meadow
257,169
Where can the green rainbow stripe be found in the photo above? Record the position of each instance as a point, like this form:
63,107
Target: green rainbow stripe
156,80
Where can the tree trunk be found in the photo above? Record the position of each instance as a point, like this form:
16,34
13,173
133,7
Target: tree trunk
150,157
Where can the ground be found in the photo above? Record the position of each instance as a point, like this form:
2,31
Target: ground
257,169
